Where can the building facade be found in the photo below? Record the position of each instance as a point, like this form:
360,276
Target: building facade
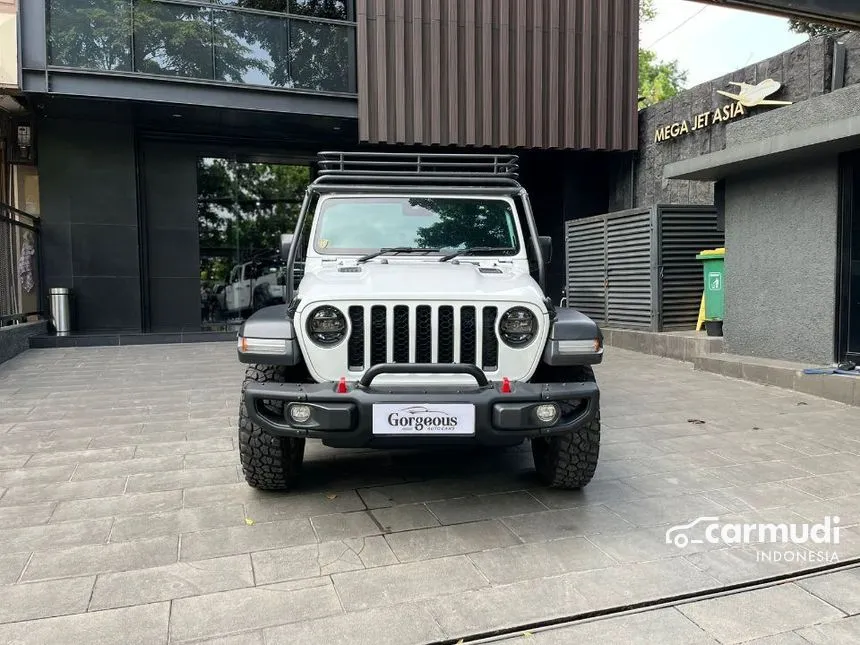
173,138
783,176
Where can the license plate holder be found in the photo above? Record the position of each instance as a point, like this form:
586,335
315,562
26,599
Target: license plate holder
424,419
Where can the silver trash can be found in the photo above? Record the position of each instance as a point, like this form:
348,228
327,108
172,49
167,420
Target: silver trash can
61,310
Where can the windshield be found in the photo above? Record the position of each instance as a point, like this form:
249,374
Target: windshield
366,224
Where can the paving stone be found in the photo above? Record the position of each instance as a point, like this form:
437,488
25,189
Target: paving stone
758,613
307,561
211,459
26,515
10,462
45,599
507,606
597,492
681,482
344,525
840,589
11,566
751,562
630,583
484,507
786,638
759,496
113,441
823,486
430,491
19,495
245,539
549,525
409,582
404,518
373,551
526,561
656,511
95,628
241,610
846,630
245,638
178,479
184,447
102,558
425,544
759,472
659,626
828,464
36,475
401,625
81,456
186,520
127,467
177,580
292,506
120,505
54,536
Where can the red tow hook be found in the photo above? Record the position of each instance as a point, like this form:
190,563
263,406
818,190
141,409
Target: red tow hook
506,385
341,386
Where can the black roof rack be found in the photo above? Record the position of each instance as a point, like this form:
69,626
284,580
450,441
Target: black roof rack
368,168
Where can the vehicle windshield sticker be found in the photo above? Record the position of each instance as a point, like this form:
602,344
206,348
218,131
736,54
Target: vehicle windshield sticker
323,243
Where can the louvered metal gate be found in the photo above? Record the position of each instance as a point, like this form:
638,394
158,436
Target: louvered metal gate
637,269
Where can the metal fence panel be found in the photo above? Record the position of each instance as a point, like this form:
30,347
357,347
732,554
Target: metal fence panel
684,232
628,264
586,267
20,284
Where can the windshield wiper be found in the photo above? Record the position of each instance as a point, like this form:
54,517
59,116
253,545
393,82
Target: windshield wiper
395,249
475,249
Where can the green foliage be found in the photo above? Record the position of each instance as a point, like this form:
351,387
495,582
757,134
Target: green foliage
658,80
242,210
196,41
811,28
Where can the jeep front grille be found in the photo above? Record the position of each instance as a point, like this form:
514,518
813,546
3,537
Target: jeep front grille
423,334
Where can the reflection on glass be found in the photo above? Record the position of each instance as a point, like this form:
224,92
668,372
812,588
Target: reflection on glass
336,9
171,39
208,43
242,210
320,56
250,48
90,34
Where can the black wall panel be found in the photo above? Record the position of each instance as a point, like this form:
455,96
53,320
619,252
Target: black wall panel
89,219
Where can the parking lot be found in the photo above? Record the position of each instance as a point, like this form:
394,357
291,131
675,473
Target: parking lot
124,517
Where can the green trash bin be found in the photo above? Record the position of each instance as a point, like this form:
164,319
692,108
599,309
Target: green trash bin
713,264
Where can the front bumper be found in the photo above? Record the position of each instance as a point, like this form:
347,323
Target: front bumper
345,418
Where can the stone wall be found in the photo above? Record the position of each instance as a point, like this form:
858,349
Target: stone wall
805,72
15,339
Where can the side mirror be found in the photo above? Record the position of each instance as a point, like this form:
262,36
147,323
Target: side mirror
545,243
286,243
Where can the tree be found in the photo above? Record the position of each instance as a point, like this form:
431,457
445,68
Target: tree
812,28
658,80
207,42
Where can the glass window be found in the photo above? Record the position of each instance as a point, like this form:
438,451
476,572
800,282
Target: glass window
250,48
336,9
173,40
242,210
320,56
90,34
357,225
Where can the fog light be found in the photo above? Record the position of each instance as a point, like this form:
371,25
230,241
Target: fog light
547,413
300,413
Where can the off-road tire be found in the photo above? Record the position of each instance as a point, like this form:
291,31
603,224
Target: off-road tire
268,462
568,461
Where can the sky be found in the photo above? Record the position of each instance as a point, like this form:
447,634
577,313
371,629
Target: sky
714,40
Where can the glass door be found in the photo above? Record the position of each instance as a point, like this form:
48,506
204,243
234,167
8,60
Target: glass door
243,207
849,278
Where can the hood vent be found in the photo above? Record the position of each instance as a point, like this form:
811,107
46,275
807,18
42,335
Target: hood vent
489,270
349,269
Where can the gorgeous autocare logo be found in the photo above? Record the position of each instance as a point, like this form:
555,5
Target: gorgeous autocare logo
812,538
418,418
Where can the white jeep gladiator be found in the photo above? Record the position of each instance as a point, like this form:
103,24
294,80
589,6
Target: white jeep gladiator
420,319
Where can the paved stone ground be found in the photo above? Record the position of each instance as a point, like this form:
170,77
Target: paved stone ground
821,610
124,519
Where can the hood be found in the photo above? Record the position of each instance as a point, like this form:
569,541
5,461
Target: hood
419,281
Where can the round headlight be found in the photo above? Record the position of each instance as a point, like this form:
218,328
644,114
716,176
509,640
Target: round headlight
326,325
518,326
